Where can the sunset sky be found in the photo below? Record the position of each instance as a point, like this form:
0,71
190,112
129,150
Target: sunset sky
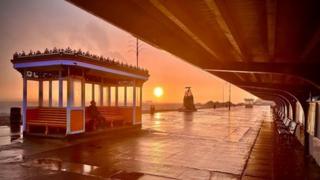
36,25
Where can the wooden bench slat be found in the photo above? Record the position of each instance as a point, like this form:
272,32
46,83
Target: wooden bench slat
50,117
47,122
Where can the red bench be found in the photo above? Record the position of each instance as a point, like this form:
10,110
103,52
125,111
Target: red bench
47,117
111,115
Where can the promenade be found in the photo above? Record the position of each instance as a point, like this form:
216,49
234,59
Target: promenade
208,144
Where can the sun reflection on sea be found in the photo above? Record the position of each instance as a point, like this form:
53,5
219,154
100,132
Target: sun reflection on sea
157,118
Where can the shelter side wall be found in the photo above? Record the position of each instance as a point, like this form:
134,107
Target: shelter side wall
138,115
76,120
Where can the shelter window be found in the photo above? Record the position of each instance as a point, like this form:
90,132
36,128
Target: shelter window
97,94
88,93
113,96
129,96
77,94
64,93
33,93
105,96
45,93
137,96
121,96
55,93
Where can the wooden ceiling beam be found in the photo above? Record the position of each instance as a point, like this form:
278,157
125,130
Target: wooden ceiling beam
271,8
228,30
170,15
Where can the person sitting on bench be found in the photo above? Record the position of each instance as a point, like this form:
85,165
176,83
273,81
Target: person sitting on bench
96,119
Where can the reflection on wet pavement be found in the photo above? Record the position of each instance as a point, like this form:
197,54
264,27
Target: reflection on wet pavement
10,156
9,135
58,165
208,144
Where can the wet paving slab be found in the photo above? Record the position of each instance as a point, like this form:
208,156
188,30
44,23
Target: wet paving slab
208,144
276,157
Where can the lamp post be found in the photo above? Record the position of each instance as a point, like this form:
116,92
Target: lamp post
229,96
137,48
222,93
137,51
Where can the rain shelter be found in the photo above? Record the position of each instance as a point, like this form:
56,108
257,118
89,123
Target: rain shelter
59,84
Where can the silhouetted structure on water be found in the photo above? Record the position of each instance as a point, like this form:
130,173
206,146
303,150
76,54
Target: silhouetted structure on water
188,102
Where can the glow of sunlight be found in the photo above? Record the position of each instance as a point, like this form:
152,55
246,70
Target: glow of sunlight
158,91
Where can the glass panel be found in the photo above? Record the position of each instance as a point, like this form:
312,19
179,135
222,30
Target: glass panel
88,93
77,94
45,93
55,93
105,96
113,95
129,96
97,94
137,96
32,93
120,96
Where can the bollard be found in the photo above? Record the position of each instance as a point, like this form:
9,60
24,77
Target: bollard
15,115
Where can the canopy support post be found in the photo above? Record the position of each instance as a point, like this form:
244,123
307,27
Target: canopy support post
40,103
69,101
83,102
50,93
116,96
93,93
24,101
109,96
141,97
125,95
134,103
60,90
101,94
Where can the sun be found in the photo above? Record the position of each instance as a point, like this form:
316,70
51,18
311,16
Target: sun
158,91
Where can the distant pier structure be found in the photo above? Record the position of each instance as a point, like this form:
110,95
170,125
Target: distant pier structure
248,102
188,101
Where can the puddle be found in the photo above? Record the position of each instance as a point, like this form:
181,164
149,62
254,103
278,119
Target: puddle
11,156
55,164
